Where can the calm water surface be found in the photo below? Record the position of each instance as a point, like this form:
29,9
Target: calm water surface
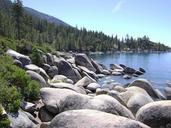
157,66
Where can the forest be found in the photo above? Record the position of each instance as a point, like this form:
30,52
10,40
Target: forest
17,23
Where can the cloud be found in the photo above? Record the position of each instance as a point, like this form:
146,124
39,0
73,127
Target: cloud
118,6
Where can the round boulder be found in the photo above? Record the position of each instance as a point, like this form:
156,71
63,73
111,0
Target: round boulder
156,114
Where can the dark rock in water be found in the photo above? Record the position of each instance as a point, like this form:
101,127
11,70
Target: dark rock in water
138,73
20,120
129,70
156,114
83,60
122,65
37,77
25,60
92,119
135,75
127,77
52,71
64,68
18,63
115,66
142,70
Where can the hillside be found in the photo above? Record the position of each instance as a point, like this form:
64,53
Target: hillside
39,28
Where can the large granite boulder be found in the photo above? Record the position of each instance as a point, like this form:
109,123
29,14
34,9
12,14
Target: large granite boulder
156,114
92,119
146,85
85,81
25,60
37,69
20,120
59,100
99,68
37,77
83,60
64,68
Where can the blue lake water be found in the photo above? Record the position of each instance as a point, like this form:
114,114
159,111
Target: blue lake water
157,66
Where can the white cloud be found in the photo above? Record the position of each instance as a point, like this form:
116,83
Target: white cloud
118,6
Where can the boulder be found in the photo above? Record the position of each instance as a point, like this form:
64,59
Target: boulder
167,91
115,73
100,91
146,85
37,77
137,101
93,86
25,60
115,66
20,120
106,72
142,70
127,77
122,65
49,58
17,63
61,78
98,68
46,67
128,70
138,73
83,60
27,106
45,115
156,114
59,100
85,81
160,94
92,119
120,89
64,68
37,69
52,71
90,73
68,86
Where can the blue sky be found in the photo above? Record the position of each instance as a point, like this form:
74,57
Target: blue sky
134,17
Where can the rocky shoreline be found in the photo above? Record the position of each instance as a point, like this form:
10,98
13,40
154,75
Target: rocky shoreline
72,98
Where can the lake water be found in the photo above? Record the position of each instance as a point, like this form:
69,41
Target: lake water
157,66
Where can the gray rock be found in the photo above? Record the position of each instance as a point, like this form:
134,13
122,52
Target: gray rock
100,75
27,106
59,100
127,76
46,67
129,70
37,69
142,70
120,89
167,91
37,77
156,114
50,59
106,72
20,120
18,63
83,60
53,70
68,86
115,73
146,85
115,66
137,101
93,86
92,119
99,68
100,91
90,73
85,81
64,68
25,60
138,73
160,94
45,115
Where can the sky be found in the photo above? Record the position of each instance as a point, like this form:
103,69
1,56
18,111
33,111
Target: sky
113,17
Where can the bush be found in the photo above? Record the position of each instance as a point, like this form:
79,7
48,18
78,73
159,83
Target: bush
4,121
16,85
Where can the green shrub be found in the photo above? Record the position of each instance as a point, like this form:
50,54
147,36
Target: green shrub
4,121
15,85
